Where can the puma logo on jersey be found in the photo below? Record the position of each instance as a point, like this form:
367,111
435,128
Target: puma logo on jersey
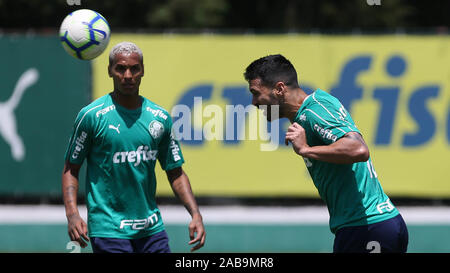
141,154
115,128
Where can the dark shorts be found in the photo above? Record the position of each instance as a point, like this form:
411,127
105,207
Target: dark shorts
389,236
156,243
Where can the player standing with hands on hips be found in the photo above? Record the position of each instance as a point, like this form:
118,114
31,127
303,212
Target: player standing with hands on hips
121,135
362,217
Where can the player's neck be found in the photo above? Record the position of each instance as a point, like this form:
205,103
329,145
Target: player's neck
131,101
293,103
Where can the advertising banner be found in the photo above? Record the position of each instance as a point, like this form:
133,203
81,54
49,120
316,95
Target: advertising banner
396,88
42,90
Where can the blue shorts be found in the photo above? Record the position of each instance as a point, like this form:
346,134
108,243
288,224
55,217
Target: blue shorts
156,243
389,236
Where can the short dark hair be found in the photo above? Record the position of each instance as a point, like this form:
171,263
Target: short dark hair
272,69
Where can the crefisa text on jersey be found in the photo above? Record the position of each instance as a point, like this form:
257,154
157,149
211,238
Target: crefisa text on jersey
79,144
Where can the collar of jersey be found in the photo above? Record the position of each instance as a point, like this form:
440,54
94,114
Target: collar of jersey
123,109
304,103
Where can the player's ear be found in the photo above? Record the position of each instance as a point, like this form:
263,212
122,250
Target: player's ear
280,89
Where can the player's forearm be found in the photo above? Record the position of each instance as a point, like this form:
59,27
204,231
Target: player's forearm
70,192
182,189
343,152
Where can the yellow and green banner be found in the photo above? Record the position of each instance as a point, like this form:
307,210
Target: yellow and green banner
396,88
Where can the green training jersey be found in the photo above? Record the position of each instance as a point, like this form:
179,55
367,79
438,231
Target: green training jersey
352,192
121,147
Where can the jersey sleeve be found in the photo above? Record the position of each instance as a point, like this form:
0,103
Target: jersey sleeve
169,151
81,138
329,122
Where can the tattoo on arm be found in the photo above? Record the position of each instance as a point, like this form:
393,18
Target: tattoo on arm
70,188
70,194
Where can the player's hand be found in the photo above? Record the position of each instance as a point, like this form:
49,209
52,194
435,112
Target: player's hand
297,136
197,232
77,229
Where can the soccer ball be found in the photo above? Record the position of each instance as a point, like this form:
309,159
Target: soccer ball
84,34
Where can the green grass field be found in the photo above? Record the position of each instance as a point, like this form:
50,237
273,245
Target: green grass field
229,229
